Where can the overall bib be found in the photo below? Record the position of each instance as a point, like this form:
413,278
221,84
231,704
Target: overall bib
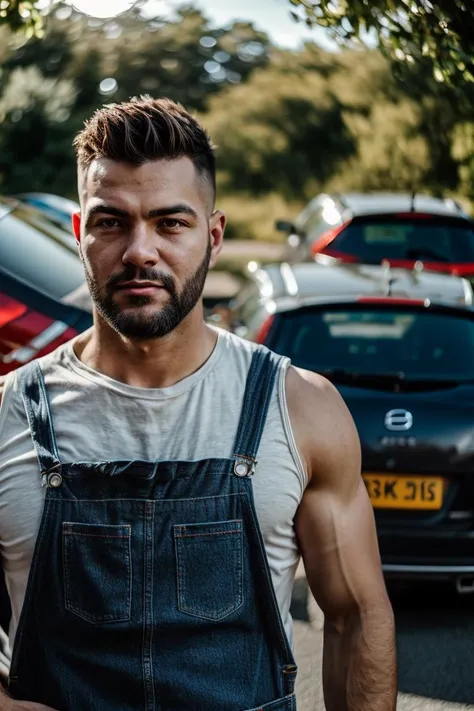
149,588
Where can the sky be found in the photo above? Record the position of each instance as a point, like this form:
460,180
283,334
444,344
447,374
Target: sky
273,16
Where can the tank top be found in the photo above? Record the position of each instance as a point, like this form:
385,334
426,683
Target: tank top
97,417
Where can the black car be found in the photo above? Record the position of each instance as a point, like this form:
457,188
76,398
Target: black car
370,228
405,368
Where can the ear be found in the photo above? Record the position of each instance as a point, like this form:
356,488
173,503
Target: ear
217,225
76,226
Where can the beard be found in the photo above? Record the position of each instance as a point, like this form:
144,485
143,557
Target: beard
133,324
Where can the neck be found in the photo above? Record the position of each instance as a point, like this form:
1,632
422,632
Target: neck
155,363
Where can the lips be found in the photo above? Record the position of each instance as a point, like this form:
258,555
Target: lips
139,287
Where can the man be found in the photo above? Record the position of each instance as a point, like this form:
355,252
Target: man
159,478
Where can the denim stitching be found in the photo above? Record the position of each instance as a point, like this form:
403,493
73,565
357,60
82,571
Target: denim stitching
221,527
70,605
266,571
216,533
287,703
147,658
183,593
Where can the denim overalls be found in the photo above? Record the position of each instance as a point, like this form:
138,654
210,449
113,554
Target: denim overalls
149,588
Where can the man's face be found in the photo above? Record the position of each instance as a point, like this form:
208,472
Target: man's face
147,239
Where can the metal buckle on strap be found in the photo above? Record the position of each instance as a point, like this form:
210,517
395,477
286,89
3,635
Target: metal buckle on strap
244,466
51,478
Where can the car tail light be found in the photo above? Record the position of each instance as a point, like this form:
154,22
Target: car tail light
264,330
326,238
343,256
26,334
392,300
10,309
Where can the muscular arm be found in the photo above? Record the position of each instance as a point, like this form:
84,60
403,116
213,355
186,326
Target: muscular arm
336,531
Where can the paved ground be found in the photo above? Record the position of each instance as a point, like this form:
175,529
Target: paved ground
440,663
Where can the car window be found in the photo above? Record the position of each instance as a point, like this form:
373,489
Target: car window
37,257
418,343
435,240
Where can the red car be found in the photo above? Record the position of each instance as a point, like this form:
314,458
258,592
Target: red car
43,297
400,229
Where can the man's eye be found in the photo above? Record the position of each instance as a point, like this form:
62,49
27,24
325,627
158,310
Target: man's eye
171,224
109,223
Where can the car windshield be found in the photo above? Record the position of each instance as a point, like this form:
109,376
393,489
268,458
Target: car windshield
427,239
419,343
39,254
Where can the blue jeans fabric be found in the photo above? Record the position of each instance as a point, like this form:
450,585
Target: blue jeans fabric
150,587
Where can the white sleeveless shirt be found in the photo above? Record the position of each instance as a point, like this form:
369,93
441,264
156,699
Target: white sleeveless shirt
98,418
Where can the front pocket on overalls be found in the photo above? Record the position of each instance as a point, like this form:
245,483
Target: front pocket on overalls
209,568
97,571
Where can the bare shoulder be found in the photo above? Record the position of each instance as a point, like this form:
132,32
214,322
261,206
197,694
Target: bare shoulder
324,430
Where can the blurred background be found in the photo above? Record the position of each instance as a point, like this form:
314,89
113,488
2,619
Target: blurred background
344,134
290,110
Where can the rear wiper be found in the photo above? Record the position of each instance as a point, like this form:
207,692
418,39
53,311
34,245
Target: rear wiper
425,252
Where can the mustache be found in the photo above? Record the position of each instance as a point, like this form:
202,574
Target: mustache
131,273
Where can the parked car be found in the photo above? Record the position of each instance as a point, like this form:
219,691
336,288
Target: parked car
405,368
371,228
44,300
285,285
59,209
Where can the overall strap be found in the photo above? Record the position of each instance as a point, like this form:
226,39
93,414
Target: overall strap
258,392
38,412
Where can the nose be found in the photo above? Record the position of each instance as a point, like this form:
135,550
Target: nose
142,247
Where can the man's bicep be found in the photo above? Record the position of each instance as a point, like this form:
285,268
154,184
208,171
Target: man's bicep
335,521
340,551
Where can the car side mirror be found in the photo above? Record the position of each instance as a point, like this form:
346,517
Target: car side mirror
284,226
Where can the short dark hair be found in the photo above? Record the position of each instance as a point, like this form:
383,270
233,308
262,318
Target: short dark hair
145,129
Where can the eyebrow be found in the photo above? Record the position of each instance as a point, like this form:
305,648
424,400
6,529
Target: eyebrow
179,208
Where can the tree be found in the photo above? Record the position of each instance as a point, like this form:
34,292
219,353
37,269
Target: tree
22,15
101,61
283,130
406,30
35,136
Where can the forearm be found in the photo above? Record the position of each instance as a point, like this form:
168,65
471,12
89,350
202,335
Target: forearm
5,700
359,664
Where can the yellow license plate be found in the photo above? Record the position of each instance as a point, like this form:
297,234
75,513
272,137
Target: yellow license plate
392,491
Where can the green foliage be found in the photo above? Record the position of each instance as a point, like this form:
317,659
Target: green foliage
98,61
35,139
282,130
287,124
407,31
22,15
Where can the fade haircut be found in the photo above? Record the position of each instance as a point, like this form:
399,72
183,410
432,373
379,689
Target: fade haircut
145,129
